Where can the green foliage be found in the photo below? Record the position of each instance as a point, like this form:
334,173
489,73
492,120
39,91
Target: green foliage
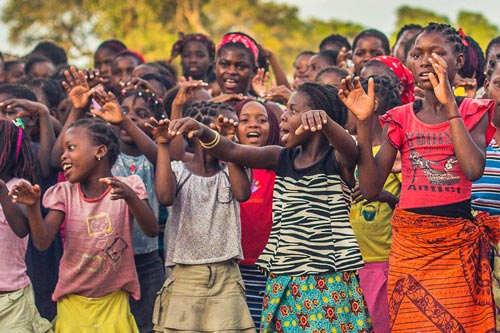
478,27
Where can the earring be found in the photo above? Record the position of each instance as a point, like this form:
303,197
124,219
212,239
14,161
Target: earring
98,158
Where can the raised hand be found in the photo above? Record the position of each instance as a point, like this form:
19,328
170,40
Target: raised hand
439,80
312,120
23,108
136,83
93,77
226,127
469,85
259,82
185,125
342,58
25,194
224,98
352,94
159,130
186,90
78,88
110,108
119,190
280,94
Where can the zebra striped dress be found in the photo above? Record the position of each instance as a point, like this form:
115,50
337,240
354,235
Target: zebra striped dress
311,231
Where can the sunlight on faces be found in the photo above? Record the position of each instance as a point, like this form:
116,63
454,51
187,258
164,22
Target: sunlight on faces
399,48
367,47
195,60
253,125
234,70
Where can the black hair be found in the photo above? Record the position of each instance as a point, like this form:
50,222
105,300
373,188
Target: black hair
337,40
303,53
407,27
386,91
449,33
332,70
325,97
50,50
376,34
149,97
112,44
101,134
128,53
474,61
50,88
203,111
493,42
166,81
255,62
8,64
330,56
18,91
35,60
379,64
26,164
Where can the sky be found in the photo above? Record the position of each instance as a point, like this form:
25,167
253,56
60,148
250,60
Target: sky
370,13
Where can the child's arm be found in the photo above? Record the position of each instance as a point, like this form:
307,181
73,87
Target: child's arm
112,113
266,157
139,208
165,183
42,232
238,178
470,148
47,134
278,71
346,152
14,215
185,93
80,95
373,171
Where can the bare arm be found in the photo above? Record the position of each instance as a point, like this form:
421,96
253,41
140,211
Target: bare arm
278,71
16,218
240,183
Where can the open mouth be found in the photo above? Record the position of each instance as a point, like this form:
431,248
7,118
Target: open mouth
251,135
230,83
66,167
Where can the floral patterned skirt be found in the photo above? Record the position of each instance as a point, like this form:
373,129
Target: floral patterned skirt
330,302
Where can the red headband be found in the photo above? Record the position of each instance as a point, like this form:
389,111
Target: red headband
239,38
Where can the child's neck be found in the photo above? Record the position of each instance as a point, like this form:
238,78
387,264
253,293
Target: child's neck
92,188
130,149
203,164
312,151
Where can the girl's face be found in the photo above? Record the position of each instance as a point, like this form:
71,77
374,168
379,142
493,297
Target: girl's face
80,155
291,119
300,66
366,48
14,74
121,70
253,125
137,110
398,51
42,69
234,70
103,59
493,58
195,60
493,90
315,64
425,45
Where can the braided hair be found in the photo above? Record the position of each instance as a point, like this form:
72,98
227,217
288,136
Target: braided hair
19,159
152,101
386,91
205,112
325,97
449,33
100,133
112,44
474,61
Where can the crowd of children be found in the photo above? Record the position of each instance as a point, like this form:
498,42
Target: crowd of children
360,196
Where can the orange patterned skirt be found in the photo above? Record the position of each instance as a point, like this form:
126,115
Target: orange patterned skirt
439,274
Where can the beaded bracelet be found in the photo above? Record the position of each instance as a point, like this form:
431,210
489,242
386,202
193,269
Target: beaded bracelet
213,143
454,117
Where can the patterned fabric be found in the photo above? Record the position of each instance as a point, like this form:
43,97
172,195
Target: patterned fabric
430,169
255,284
439,274
486,191
404,75
311,232
236,37
331,302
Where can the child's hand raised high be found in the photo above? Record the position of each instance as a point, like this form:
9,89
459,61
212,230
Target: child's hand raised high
93,77
25,194
159,130
259,82
439,80
186,90
185,125
78,88
312,120
352,94
226,127
110,108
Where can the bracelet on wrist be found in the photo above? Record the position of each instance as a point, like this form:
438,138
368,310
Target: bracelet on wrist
454,117
213,143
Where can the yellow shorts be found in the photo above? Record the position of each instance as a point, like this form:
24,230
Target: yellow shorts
108,314
18,313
